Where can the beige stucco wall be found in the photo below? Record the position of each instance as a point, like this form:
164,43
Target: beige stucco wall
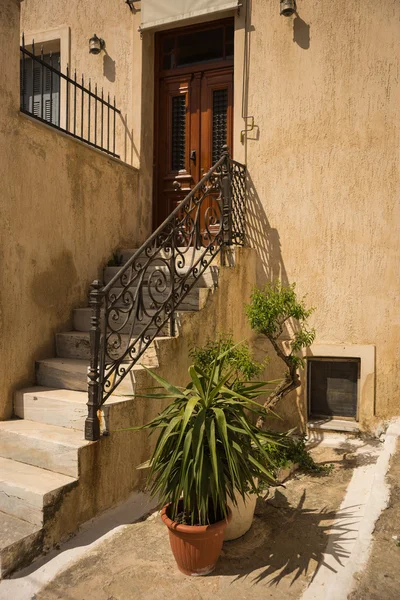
323,157
117,70
63,209
323,163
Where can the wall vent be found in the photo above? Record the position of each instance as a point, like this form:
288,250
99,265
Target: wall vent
333,387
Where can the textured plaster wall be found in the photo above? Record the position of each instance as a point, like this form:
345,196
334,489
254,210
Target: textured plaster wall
63,209
323,157
323,163
117,70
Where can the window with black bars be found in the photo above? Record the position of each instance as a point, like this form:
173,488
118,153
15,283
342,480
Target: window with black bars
64,102
40,88
219,123
178,132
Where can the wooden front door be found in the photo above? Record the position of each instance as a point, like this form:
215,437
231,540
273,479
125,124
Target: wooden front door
194,110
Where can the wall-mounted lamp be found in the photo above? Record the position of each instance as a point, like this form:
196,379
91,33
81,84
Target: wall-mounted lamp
288,8
96,45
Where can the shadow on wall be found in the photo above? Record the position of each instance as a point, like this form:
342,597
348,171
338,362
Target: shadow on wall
264,239
109,67
301,33
129,149
270,267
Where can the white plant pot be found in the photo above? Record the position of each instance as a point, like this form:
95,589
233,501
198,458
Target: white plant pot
242,516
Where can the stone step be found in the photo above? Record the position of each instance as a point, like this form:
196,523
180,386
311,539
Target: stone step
186,252
208,279
27,492
82,322
194,300
42,445
75,344
60,407
71,374
20,542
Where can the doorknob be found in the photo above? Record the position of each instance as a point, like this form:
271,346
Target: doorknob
176,185
193,155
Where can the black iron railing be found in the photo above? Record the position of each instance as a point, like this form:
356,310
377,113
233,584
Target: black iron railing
65,103
141,299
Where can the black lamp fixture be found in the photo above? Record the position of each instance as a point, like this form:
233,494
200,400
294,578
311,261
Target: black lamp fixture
96,45
288,8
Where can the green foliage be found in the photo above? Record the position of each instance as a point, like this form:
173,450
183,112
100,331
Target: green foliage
238,357
272,306
295,452
207,446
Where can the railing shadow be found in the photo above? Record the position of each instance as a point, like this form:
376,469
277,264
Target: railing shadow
289,541
263,238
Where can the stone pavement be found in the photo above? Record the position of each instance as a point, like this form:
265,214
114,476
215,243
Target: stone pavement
305,540
276,559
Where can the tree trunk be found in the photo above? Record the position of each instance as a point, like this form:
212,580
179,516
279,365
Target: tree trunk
291,382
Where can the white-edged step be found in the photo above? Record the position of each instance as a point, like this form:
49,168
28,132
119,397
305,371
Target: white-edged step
82,322
25,491
207,279
42,445
76,344
55,406
187,252
17,539
194,299
71,374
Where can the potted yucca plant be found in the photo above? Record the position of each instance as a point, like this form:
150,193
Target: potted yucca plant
207,450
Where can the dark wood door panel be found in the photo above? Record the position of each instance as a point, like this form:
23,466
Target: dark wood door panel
195,119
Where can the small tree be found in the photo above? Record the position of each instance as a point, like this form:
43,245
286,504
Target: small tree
270,310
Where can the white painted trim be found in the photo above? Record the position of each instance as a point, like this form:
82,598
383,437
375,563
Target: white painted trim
366,497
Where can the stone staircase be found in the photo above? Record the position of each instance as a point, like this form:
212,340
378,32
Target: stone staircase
47,469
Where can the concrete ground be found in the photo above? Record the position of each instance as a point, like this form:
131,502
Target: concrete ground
310,540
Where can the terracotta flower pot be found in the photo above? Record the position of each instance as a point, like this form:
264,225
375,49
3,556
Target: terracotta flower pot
196,548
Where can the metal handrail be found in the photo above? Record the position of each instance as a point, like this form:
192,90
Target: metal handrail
143,296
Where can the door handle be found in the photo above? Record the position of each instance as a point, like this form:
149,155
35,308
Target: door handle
193,156
176,185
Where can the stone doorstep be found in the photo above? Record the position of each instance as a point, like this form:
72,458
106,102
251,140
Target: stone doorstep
327,425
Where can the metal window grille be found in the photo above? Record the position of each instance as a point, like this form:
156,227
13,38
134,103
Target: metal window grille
65,103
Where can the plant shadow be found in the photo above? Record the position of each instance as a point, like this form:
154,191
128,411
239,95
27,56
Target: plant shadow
288,542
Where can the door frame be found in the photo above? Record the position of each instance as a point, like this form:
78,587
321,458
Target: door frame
161,74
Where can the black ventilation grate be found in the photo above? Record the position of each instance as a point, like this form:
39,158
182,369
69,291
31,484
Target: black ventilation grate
333,387
220,120
178,132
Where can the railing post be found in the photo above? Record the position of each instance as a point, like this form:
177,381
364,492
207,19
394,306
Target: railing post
226,199
172,328
92,424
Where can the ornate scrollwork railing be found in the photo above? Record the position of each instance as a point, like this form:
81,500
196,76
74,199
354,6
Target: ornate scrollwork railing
141,300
